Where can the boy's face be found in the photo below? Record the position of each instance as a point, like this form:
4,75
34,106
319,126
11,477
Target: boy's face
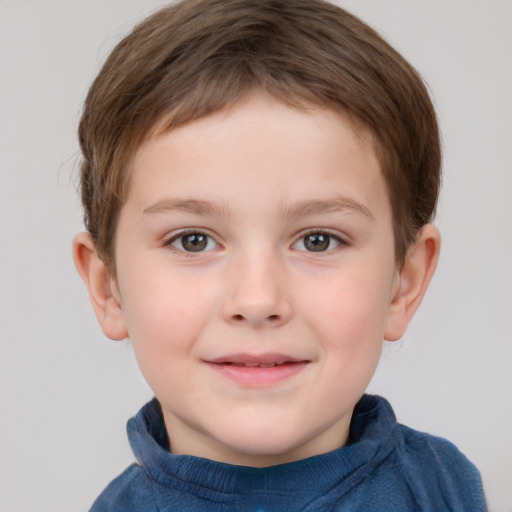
255,275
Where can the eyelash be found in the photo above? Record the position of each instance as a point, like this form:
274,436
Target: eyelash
186,233
330,237
339,241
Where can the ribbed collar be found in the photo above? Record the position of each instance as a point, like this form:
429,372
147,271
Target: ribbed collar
372,437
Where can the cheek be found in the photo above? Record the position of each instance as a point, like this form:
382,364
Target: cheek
351,312
351,331
165,318
159,304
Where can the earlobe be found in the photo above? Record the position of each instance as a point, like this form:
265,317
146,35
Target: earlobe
413,281
102,289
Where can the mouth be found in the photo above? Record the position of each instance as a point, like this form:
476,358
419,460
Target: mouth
259,365
252,360
258,370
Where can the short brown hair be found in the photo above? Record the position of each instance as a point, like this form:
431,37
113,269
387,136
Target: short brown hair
196,57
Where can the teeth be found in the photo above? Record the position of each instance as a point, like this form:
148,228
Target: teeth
255,365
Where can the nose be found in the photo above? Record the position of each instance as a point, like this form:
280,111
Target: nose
257,293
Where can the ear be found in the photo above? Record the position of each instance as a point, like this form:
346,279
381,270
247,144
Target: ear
412,281
102,288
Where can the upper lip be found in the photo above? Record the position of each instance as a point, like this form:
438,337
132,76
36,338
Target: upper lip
256,359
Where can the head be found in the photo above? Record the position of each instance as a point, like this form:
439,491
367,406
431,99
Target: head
258,179
197,57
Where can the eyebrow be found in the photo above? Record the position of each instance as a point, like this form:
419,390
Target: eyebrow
315,207
298,209
194,206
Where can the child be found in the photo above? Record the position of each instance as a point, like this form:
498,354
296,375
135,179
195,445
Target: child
258,181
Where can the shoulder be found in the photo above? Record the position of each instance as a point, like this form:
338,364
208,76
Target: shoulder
408,469
437,450
130,491
435,465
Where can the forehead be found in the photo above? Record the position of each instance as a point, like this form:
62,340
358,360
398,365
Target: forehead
258,139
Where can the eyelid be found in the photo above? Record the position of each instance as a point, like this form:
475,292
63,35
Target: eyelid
176,235
341,239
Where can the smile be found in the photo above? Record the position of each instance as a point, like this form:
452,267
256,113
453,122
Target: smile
257,371
259,365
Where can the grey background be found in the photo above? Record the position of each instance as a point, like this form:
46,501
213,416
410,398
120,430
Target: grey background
66,392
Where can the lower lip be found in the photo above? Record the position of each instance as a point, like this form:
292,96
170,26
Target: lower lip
255,376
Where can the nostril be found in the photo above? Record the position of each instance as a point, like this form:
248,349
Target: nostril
270,318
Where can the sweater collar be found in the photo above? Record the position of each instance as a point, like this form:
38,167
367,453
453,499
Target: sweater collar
371,439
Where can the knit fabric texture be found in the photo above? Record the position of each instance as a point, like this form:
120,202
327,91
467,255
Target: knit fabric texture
384,467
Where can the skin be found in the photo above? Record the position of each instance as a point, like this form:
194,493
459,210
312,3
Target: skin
257,187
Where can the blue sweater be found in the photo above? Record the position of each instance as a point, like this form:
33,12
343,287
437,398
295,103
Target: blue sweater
385,467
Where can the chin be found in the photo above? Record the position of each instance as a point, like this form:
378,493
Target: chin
266,447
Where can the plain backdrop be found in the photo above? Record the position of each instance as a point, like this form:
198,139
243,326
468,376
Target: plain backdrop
66,391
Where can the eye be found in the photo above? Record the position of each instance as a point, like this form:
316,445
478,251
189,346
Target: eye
318,242
193,242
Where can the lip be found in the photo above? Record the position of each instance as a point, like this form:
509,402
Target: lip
251,370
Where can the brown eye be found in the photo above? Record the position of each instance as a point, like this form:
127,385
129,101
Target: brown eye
193,242
317,242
